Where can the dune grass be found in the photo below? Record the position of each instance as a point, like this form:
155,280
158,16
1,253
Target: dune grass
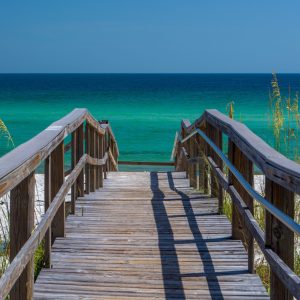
6,137
285,123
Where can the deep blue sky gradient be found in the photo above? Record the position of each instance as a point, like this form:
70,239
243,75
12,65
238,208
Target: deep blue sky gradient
149,36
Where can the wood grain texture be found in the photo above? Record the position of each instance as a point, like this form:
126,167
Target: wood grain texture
101,153
92,152
109,131
80,151
245,167
288,278
87,140
74,161
21,226
276,166
56,181
148,236
216,136
19,263
278,237
97,155
19,163
112,161
47,201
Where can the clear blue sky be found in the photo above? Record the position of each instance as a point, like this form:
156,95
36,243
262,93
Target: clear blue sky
150,36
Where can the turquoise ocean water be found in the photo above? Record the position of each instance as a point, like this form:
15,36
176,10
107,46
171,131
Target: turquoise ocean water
144,109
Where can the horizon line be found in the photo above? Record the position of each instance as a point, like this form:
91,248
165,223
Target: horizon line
144,73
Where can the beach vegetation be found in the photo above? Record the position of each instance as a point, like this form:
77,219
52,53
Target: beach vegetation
4,209
5,136
285,124
285,120
230,109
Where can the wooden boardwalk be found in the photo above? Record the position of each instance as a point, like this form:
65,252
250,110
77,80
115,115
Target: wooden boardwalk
148,236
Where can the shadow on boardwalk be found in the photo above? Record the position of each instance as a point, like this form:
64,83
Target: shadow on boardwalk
172,276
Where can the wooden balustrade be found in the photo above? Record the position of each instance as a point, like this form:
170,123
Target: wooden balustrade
17,177
246,150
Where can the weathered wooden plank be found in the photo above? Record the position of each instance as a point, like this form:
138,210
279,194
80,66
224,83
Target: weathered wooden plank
80,151
105,167
56,181
47,201
74,161
108,129
245,167
216,136
92,152
19,263
88,152
278,237
148,235
112,161
276,166
19,163
22,199
290,280
101,154
97,155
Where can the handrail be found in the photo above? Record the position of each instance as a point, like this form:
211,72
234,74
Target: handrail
20,162
289,278
200,144
285,219
19,263
276,166
108,128
98,156
115,164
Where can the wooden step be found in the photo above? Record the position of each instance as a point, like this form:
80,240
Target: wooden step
148,235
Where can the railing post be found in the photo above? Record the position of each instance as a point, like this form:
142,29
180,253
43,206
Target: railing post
278,237
57,180
101,154
180,162
205,163
80,150
105,149
176,157
97,155
192,166
109,147
197,164
239,231
47,201
114,153
185,163
22,199
73,164
188,165
87,151
200,166
92,154
216,189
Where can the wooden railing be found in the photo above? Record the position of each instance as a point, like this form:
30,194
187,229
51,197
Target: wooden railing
198,151
94,152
